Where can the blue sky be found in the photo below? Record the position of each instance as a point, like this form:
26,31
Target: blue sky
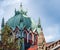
47,10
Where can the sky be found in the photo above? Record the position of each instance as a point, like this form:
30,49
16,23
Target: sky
47,10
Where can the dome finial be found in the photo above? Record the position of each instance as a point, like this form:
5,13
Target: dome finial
21,5
21,9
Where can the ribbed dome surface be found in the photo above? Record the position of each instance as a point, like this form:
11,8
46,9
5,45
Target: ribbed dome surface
21,21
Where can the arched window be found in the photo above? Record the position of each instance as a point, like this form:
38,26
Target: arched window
25,35
30,36
18,35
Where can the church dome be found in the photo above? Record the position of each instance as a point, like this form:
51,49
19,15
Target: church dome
21,20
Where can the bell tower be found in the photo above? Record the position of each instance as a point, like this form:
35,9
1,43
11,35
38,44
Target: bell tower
41,39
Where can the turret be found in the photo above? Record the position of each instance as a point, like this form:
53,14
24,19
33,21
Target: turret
41,38
2,25
17,12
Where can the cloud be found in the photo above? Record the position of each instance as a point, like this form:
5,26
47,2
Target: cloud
49,38
52,32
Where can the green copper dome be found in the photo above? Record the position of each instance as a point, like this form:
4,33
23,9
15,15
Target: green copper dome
21,20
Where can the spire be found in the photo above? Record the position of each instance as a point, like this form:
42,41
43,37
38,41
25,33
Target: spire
15,11
39,23
41,39
2,25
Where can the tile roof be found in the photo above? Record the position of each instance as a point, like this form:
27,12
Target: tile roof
33,47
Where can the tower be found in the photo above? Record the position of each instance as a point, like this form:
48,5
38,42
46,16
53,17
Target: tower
2,25
41,40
